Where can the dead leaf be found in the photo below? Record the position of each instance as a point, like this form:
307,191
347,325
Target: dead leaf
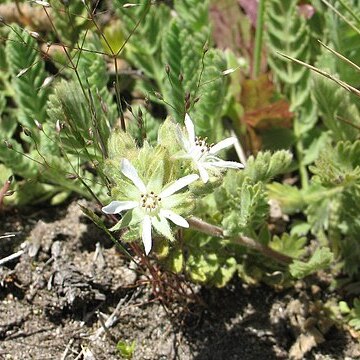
261,112
268,116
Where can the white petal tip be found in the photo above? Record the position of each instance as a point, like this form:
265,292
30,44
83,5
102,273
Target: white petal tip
106,210
228,71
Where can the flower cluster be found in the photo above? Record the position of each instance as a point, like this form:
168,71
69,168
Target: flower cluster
151,205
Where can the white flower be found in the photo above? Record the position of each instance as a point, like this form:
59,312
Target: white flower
151,209
202,154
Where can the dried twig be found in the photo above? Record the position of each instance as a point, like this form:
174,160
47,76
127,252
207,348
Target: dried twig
343,84
11,257
112,319
6,236
68,346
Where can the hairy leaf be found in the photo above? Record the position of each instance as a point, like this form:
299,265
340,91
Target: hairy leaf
320,260
28,74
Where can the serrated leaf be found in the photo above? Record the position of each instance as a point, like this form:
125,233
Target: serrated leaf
70,18
265,166
290,198
291,245
338,109
321,259
22,54
339,166
288,33
248,211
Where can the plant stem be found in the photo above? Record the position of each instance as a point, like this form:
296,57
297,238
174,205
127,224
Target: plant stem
304,177
258,37
216,231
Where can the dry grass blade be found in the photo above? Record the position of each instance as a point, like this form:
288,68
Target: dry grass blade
340,56
343,84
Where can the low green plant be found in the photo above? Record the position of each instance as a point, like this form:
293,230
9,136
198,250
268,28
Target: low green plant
125,349
153,150
351,315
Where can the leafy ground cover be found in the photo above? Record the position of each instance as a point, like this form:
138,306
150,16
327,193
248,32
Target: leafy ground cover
213,151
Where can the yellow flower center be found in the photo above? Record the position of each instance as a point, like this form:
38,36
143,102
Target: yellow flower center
150,201
202,144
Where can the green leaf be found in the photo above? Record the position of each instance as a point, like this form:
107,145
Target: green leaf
175,261
207,111
338,109
28,74
344,39
125,349
92,70
248,210
321,259
162,226
225,273
291,245
172,55
288,33
355,315
290,198
69,18
81,135
265,166
339,166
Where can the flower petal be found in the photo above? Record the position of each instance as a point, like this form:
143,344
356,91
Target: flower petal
175,218
184,142
224,164
190,129
130,172
203,174
178,184
116,207
146,234
223,144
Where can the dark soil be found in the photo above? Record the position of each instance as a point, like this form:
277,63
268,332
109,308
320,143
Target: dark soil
58,295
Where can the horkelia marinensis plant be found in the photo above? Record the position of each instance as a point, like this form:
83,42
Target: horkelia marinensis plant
149,183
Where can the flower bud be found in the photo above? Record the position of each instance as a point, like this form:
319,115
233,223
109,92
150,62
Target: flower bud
71,176
58,126
38,125
206,48
158,95
8,145
34,34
